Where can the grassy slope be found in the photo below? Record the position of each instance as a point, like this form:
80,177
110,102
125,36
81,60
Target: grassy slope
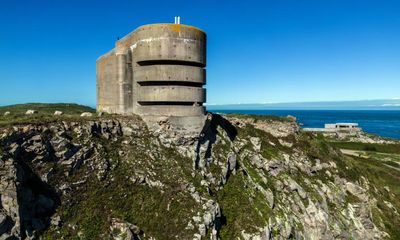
377,170
46,108
373,147
45,112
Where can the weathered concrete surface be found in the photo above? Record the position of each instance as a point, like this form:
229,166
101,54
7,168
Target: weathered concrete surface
171,110
174,94
156,70
170,73
107,83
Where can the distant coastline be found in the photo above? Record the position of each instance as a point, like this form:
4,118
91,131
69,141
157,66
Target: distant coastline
382,104
385,123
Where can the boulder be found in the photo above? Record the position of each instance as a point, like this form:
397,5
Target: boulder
86,114
256,143
30,112
55,220
292,118
122,230
7,113
58,113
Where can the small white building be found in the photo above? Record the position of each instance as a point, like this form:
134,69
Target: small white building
336,127
343,126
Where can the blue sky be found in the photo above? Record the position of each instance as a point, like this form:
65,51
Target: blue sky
258,51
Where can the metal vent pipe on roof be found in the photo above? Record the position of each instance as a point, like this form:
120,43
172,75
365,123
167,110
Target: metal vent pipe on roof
177,20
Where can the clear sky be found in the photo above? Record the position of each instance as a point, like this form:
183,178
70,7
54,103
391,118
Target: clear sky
258,51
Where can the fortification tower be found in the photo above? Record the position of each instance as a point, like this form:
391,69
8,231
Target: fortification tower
156,71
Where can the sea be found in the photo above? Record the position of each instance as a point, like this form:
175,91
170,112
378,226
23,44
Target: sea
385,123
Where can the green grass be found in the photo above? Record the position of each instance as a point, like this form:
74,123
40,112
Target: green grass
46,108
239,211
373,147
260,117
379,176
45,112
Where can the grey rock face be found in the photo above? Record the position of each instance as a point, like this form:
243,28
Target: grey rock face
121,230
41,164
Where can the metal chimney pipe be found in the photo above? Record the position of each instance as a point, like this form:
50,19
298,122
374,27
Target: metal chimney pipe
177,20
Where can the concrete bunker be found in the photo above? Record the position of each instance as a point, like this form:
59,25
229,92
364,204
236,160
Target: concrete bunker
157,71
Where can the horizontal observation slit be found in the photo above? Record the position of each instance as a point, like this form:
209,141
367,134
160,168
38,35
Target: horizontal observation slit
170,62
144,103
171,83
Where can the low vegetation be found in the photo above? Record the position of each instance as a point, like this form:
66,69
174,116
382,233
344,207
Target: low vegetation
45,113
371,147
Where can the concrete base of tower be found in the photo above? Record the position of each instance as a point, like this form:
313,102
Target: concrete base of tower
191,125
170,110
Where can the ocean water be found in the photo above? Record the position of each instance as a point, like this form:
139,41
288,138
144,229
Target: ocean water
380,122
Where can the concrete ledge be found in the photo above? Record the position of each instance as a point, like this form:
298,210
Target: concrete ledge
168,110
186,125
171,94
172,42
169,73
172,49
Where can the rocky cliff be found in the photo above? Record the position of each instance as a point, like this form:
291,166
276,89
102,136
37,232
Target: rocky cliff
244,177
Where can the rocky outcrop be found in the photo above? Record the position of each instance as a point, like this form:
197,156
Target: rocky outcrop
242,178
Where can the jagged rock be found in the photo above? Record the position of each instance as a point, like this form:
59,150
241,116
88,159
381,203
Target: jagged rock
356,191
76,161
256,143
56,220
202,229
299,198
294,186
232,161
257,161
127,131
274,167
121,230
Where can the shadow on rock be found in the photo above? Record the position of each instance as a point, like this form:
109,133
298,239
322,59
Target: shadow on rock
209,135
27,203
37,201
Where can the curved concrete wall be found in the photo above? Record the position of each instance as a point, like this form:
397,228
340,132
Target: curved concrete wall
170,73
171,94
170,110
170,42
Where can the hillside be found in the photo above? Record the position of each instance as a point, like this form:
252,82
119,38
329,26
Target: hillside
246,177
45,112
